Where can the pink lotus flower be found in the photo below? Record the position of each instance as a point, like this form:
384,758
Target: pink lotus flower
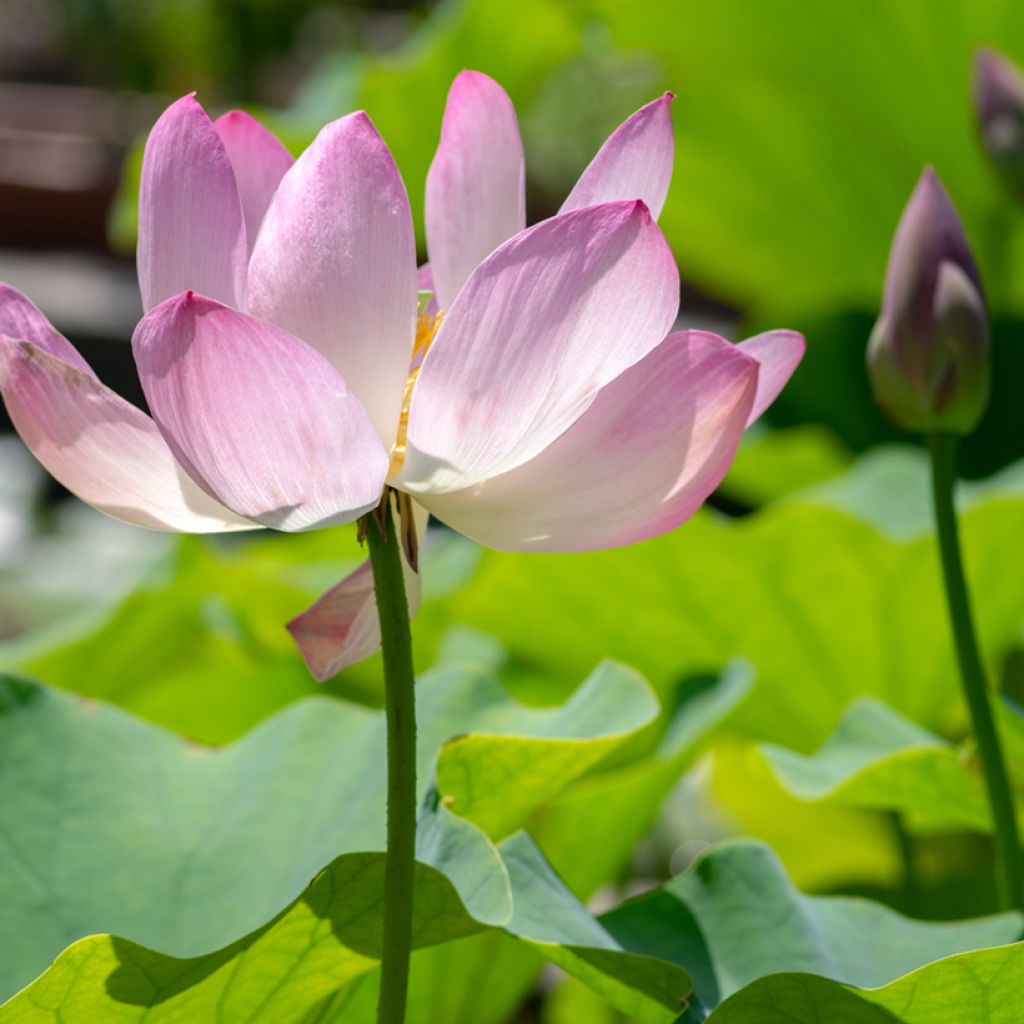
290,378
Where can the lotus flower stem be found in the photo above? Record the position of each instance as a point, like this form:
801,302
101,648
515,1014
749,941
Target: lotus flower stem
1010,883
400,708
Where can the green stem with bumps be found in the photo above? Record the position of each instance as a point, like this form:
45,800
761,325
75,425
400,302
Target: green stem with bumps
400,711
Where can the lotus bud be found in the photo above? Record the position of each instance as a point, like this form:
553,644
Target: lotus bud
928,357
999,104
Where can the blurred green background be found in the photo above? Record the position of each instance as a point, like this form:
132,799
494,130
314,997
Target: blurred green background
801,130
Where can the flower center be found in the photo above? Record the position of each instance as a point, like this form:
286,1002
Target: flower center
426,328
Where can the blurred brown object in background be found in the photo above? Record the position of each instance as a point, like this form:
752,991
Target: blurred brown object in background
61,149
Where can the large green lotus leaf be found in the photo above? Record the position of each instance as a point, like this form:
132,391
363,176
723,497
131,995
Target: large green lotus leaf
325,939
735,917
851,844
826,606
803,137
474,770
114,825
890,488
303,963
877,758
546,915
573,831
981,987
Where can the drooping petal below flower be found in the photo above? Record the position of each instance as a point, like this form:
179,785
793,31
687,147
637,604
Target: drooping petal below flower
641,460
635,162
256,417
778,353
342,627
191,226
21,320
475,195
100,447
335,263
259,161
544,323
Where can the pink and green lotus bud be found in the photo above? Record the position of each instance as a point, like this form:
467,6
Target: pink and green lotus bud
928,356
999,104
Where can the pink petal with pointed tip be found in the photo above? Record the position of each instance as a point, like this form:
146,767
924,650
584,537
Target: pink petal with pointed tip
475,196
341,627
640,461
257,418
259,160
21,320
635,162
544,323
100,447
191,227
335,264
778,353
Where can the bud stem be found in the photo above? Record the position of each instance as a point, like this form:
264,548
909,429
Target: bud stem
400,711
1010,884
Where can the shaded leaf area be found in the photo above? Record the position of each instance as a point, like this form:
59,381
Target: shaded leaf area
328,937
981,987
112,825
758,587
301,965
878,759
735,918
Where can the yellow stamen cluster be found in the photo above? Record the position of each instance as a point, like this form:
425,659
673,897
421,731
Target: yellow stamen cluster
426,328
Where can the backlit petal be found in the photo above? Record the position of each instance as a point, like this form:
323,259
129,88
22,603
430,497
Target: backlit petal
475,197
21,320
335,263
640,461
778,353
256,417
635,162
191,227
544,323
100,447
259,161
